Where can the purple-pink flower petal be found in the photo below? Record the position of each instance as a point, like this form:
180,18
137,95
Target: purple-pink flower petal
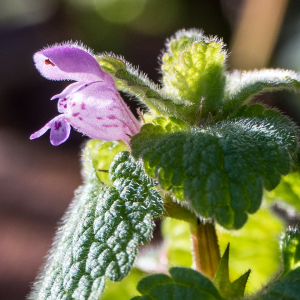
70,89
92,105
68,62
40,132
101,113
60,130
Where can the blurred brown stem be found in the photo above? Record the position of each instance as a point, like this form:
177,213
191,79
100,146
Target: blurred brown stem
256,33
206,249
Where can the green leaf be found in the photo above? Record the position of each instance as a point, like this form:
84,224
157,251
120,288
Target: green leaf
239,285
286,288
241,87
221,169
194,69
255,246
183,283
131,81
288,191
222,282
100,233
290,248
102,153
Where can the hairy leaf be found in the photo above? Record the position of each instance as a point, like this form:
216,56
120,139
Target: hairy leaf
183,283
100,233
194,69
228,289
241,87
286,288
220,169
131,81
290,248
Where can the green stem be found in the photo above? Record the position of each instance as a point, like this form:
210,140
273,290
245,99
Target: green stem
204,238
176,211
205,248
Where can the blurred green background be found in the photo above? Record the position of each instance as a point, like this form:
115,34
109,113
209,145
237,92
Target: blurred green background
37,180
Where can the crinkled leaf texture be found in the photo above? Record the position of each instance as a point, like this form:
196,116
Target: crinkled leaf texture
100,233
183,283
193,68
220,169
286,288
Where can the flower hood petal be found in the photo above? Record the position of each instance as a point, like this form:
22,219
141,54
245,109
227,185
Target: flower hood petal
68,62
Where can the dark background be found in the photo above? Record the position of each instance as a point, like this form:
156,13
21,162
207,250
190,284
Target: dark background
37,180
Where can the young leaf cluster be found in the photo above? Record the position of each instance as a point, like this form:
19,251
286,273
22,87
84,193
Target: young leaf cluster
225,151
190,65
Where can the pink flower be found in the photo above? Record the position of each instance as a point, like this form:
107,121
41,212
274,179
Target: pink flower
92,105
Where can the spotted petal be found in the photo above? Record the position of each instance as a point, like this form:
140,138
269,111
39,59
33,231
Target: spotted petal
100,112
69,62
60,130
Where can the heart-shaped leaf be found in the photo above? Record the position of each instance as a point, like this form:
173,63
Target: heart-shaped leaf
221,169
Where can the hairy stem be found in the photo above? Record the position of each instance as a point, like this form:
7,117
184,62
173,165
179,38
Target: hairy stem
179,212
206,249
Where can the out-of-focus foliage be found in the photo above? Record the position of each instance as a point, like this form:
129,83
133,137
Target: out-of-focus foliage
288,191
285,288
124,289
119,11
177,242
158,16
